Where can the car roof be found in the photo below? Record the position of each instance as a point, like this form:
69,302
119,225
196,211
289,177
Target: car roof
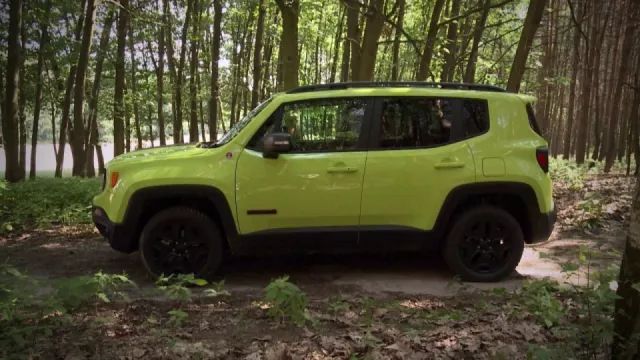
401,88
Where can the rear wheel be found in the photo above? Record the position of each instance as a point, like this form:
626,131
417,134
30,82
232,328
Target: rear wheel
485,244
181,240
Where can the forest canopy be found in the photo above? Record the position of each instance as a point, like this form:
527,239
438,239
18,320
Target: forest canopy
141,73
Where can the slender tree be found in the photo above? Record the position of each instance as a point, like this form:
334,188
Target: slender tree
11,103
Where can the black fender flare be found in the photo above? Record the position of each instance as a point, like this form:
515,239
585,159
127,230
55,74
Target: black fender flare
461,194
210,194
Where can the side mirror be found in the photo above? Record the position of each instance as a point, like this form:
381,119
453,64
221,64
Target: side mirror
276,143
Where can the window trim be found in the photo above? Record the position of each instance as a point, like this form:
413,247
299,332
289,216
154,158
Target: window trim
365,127
456,134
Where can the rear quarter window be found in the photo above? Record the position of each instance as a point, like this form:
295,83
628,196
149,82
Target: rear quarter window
532,119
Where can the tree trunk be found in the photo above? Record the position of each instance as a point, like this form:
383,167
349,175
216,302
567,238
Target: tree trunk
627,46
396,42
22,101
79,155
334,63
432,34
369,49
178,137
118,121
66,107
531,23
193,93
257,54
11,117
95,91
289,60
627,306
160,80
215,57
448,69
134,94
44,42
470,72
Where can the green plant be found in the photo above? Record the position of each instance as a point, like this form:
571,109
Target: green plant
44,202
590,210
178,288
29,310
286,302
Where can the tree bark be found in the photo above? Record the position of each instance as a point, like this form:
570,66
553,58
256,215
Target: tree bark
432,34
257,54
193,118
369,49
118,121
44,42
11,117
22,161
395,65
448,69
627,46
531,23
289,60
95,92
134,93
470,72
66,106
160,79
627,306
79,154
178,137
215,57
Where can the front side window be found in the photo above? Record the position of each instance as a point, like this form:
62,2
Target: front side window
326,125
428,122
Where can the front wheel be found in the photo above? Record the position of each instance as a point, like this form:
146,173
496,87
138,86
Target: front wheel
485,244
181,240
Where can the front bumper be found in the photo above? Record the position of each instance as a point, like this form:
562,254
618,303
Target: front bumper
542,226
119,236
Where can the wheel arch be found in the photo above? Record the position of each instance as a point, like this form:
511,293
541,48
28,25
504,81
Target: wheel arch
519,199
146,202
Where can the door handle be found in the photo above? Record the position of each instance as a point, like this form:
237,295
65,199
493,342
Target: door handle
342,169
449,165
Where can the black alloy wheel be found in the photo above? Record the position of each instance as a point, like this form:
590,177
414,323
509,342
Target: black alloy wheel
485,245
181,241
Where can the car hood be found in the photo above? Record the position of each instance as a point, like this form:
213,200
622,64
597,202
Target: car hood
157,153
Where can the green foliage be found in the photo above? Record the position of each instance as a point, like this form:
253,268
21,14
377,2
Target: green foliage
590,210
29,311
178,288
587,324
46,201
286,302
570,173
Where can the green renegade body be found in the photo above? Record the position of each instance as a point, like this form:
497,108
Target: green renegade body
347,167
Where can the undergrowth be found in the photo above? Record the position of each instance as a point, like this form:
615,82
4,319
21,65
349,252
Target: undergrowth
44,202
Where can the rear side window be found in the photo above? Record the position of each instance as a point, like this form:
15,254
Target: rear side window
414,122
532,119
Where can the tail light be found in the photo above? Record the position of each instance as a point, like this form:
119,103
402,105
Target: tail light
542,155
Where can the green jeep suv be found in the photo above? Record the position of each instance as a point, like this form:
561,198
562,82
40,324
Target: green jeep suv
349,167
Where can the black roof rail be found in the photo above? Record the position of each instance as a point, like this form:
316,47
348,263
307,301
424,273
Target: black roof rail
365,84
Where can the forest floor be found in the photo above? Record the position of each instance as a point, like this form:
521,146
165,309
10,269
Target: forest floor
379,307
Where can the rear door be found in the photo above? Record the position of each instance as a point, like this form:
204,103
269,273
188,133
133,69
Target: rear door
417,155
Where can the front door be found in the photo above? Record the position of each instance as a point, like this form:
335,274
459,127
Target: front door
318,185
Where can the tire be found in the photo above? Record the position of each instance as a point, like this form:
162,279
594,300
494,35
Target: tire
188,240
497,252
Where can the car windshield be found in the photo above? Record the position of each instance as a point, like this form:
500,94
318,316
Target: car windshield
235,130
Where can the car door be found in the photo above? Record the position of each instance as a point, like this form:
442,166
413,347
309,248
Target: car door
315,187
417,156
